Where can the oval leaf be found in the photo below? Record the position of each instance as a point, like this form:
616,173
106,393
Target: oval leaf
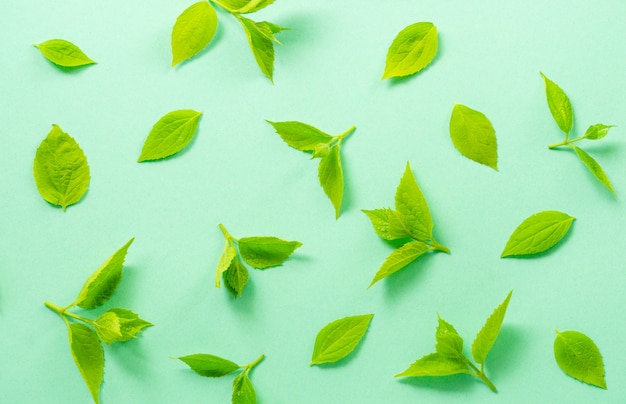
337,339
193,30
412,50
538,233
243,391
64,53
412,206
209,365
597,131
435,364
330,174
400,258
579,357
227,257
119,325
487,336
300,135
88,356
236,277
60,169
559,104
594,167
265,252
170,134
473,135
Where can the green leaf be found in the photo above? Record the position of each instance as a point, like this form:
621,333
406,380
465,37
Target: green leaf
579,357
60,169
243,391
388,223
449,342
193,31
300,135
236,277
243,6
102,283
170,134
400,258
435,364
338,338
228,255
119,325
330,174
538,233
594,167
559,104
209,365
473,136
412,50
597,131
321,150
260,38
410,203
64,53
487,336
265,252
88,356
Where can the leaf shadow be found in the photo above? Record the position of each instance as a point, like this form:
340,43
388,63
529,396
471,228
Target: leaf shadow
551,250
304,33
243,305
398,81
131,357
405,280
126,288
460,383
348,192
507,351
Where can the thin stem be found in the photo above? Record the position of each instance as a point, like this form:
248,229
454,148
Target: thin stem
256,362
440,247
566,142
481,375
58,309
62,311
346,133
226,233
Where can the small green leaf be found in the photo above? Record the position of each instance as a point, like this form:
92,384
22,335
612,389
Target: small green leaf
236,277
260,38
321,150
60,169
449,342
101,285
435,364
209,365
410,203
594,167
193,31
243,6
559,104
597,131
119,325
538,233
265,252
64,53
300,135
473,136
338,338
330,174
88,356
487,336
412,50
388,223
170,134
227,257
400,258
243,391
579,357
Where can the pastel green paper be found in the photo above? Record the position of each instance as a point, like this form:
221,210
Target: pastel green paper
266,252
88,356
489,333
579,357
64,53
170,134
473,136
193,31
412,50
339,338
209,365
538,233
560,105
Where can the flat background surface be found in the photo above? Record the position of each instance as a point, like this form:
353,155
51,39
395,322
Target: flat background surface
238,172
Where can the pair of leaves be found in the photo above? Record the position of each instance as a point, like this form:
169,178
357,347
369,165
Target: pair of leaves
259,252
561,110
196,27
538,233
473,136
213,366
327,148
579,357
170,134
60,169
339,338
449,359
64,53
412,50
410,219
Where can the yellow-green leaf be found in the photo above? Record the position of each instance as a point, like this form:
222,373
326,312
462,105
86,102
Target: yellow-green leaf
487,336
435,364
330,174
170,134
261,40
64,53
243,6
88,356
228,255
400,258
243,391
473,135
448,341
119,325
301,136
412,50
209,365
388,223
339,338
579,357
236,277
265,252
193,31
593,166
410,203
538,233
559,104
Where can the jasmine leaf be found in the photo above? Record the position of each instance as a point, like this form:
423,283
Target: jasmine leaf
243,391
243,6
227,257
119,325
236,277
487,336
301,136
339,338
400,258
473,136
170,134
330,174
388,223
448,341
435,364
260,38
412,50
579,357
538,233
559,104
597,131
593,166
193,31
88,356
209,365
265,252
410,203
60,169
64,53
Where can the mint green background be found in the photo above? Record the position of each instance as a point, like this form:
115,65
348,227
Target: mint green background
238,172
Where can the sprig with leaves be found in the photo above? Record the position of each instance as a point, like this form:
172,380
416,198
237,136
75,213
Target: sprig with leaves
114,325
196,27
410,220
213,366
260,252
327,148
449,359
561,110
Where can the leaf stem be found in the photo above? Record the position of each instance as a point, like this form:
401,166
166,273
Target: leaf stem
566,142
62,311
226,233
481,375
440,247
249,366
344,134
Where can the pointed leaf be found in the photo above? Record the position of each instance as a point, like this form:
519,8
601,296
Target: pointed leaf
410,203
209,365
300,135
260,38
579,357
449,342
594,167
538,233
265,252
435,364
88,356
227,257
597,131
339,338
243,391
236,277
60,169
63,53
102,283
487,336
559,104
330,174
412,50
400,258
119,325
320,151
388,223
473,136
170,134
193,31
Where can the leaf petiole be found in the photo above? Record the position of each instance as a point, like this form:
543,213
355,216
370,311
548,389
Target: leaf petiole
566,142
227,234
250,365
62,311
479,373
